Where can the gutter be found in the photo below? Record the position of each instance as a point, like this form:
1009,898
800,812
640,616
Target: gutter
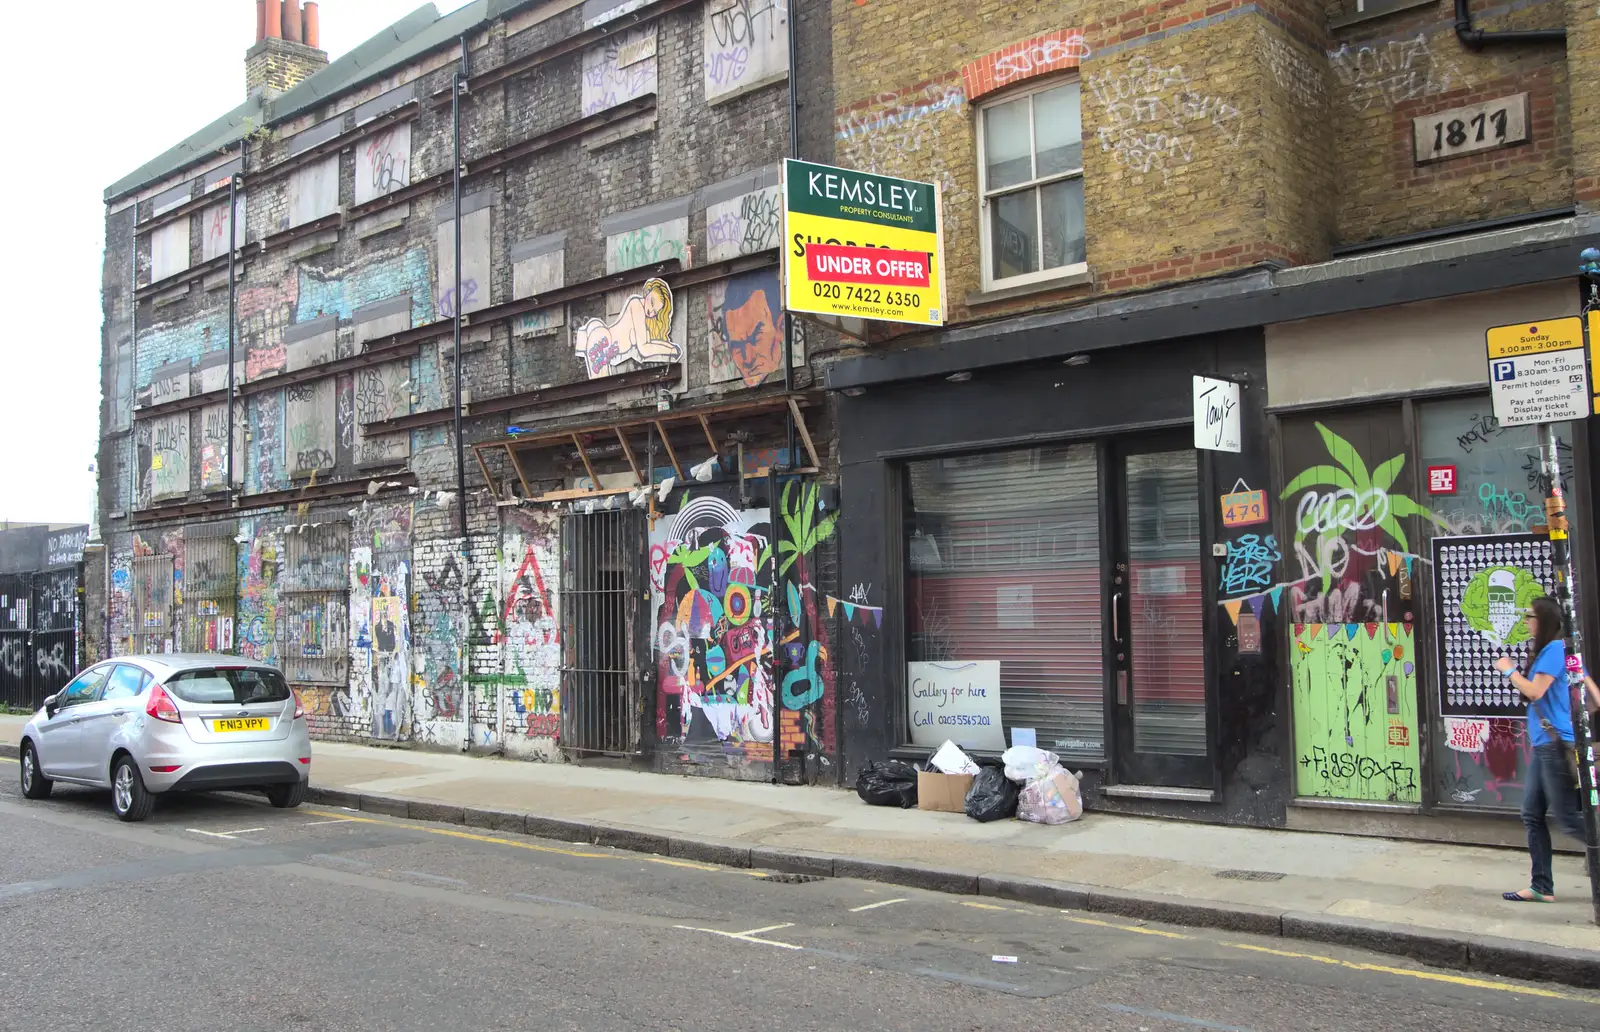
1477,39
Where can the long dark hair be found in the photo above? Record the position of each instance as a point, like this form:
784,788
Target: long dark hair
1548,614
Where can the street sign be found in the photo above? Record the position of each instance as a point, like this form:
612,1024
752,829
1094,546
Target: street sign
1537,372
861,246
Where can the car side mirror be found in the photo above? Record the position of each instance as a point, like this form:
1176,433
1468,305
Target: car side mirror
50,706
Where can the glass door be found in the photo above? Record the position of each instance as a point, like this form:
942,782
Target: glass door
1156,612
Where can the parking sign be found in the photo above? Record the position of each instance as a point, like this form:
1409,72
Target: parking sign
1537,372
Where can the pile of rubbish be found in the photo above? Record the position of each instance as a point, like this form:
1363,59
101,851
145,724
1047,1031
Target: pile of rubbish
1031,785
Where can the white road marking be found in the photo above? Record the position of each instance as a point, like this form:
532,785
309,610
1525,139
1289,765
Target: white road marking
881,903
341,820
1178,1019
229,835
749,936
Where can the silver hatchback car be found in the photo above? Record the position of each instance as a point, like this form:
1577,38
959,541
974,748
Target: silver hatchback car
145,725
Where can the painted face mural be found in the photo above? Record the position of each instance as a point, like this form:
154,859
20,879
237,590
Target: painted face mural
750,329
711,577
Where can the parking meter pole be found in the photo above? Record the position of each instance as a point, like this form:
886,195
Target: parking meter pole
1561,558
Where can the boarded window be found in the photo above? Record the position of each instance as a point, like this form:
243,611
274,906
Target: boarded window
313,192
383,163
169,250
314,605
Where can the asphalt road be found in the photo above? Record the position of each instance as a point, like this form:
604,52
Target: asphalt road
222,913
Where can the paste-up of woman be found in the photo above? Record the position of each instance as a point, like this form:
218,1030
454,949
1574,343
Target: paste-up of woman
641,332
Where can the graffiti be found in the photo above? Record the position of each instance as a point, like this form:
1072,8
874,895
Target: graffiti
1355,707
383,163
1538,481
309,429
711,587
1151,117
646,245
529,628
1480,429
1387,74
265,467
806,657
447,298
1304,82
746,327
214,223
744,225
641,332
163,447
746,44
900,134
379,393
14,658
1251,560
608,80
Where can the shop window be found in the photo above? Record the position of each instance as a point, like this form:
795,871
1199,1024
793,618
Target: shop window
1030,171
1485,478
1003,565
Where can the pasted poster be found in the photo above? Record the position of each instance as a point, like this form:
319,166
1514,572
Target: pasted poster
1355,712
1484,583
959,702
641,332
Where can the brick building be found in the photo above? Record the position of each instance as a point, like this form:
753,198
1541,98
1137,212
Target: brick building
599,283
674,528
1327,204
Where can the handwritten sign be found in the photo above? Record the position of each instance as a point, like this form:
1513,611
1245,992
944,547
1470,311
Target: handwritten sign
1244,508
956,701
1466,735
1216,415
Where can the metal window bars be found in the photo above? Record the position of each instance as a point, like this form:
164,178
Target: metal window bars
313,618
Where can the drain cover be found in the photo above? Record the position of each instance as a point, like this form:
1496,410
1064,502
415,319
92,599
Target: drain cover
1251,875
796,879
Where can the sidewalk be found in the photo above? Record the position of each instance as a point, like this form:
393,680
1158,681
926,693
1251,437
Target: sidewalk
1439,903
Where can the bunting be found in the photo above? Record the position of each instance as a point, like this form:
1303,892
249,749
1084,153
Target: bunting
852,608
1232,606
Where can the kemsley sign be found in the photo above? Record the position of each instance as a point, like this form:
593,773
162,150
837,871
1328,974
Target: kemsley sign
861,246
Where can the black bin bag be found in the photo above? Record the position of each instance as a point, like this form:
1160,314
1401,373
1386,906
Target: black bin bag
993,796
891,783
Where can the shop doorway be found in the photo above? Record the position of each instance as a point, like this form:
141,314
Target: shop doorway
602,557
1156,611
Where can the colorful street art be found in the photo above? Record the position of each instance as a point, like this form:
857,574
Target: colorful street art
746,327
1355,712
640,332
711,585
529,632
805,659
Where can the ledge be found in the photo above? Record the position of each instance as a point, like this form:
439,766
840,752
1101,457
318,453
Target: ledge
986,297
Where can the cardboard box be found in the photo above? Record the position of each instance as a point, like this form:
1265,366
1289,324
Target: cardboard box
946,793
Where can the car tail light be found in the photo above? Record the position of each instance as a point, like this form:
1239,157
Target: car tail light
165,770
162,707
306,760
299,705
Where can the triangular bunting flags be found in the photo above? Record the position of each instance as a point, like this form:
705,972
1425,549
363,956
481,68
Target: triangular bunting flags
1394,564
1408,565
1394,630
1257,603
849,612
1351,630
1232,606
877,617
833,604
1299,629
1316,629
1372,630
1273,594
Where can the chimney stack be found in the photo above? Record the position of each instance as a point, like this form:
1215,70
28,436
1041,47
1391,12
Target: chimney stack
286,49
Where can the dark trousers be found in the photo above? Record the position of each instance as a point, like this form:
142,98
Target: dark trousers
1549,787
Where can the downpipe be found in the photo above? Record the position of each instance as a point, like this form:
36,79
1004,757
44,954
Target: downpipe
1477,39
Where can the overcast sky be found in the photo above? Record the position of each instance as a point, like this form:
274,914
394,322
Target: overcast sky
141,77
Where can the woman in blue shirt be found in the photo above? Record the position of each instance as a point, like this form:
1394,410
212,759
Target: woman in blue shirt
1549,778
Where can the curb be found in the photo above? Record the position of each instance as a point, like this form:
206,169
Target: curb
1480,954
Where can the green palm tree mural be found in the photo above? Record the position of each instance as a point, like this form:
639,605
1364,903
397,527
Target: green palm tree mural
1358,496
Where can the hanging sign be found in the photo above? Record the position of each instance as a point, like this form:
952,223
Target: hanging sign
1243,507
955,701
1216,415
1537,372
861,246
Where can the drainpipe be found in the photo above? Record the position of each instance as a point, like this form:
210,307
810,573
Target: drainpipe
233,286
458,87
794,152
1477,39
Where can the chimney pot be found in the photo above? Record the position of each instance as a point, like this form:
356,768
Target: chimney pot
311,25
291,20
273,11
261,20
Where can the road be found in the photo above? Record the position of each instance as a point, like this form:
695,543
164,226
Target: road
222,913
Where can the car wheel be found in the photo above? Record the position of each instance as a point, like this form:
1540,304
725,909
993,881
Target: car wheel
287,797
130,800
34,784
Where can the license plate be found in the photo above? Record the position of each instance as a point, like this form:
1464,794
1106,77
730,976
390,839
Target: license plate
242,724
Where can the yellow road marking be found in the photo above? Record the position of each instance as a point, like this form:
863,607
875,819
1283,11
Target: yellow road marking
535,847
1430,976
1129,928
981,906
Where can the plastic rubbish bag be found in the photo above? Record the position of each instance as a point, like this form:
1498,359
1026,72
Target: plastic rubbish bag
992,796
1025,763
951,760
892,783
1053,799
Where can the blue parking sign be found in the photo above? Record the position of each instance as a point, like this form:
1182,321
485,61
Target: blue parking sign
1503,370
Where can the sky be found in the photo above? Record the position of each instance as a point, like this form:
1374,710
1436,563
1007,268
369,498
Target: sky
143,76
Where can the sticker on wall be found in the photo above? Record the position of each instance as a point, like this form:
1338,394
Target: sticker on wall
1466,735
1441,480
1484,584
641,332
1243,507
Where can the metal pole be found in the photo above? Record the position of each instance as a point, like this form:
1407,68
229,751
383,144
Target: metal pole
458,84
1561,558
233,286
794,152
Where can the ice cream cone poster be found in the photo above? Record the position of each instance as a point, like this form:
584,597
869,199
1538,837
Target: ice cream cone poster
1483,586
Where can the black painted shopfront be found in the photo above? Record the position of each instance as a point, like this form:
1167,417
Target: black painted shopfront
1055,521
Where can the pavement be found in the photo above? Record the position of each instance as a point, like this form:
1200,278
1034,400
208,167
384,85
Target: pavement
1437,903
220,912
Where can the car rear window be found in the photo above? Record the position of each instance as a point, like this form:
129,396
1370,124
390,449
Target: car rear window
238,686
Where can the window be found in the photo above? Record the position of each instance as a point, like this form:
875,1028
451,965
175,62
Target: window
126,683
240,685
169,250
313,192
83,688
1030,172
